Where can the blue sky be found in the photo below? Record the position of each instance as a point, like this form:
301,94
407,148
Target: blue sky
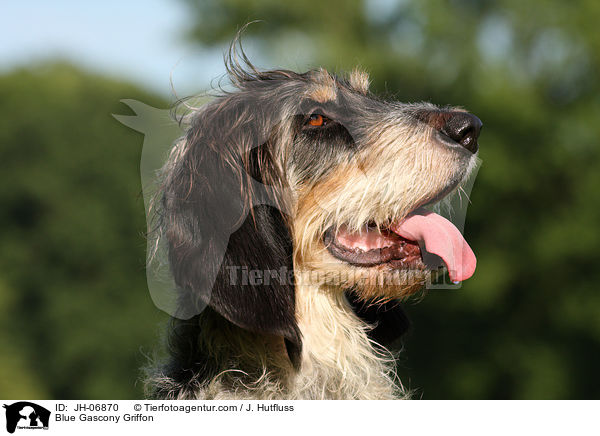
143,41
138,40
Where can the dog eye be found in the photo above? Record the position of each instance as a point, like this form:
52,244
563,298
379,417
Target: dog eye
317,120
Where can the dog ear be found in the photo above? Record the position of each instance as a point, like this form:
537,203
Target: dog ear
255,285
229,246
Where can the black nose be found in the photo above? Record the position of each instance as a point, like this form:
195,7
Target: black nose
463,128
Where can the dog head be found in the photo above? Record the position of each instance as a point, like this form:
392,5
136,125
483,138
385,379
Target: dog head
309,179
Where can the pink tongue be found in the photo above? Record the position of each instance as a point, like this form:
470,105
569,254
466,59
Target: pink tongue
440,237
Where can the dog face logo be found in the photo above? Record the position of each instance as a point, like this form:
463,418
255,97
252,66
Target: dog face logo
26,415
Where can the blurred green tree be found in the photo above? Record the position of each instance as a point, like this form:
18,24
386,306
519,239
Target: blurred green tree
528,324
75,315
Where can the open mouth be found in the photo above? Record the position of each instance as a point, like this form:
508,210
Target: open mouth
372,246
405,244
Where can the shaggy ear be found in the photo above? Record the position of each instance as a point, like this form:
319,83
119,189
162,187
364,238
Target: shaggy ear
255,285
228,247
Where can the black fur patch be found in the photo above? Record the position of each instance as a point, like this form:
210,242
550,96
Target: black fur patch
389,319
264,300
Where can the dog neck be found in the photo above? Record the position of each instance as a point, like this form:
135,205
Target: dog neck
339,361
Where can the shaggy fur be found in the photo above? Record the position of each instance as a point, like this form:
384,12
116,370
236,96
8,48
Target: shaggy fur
248,197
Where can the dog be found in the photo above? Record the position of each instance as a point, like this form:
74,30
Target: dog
294,215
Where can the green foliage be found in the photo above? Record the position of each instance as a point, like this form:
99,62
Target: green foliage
75,315
528,324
